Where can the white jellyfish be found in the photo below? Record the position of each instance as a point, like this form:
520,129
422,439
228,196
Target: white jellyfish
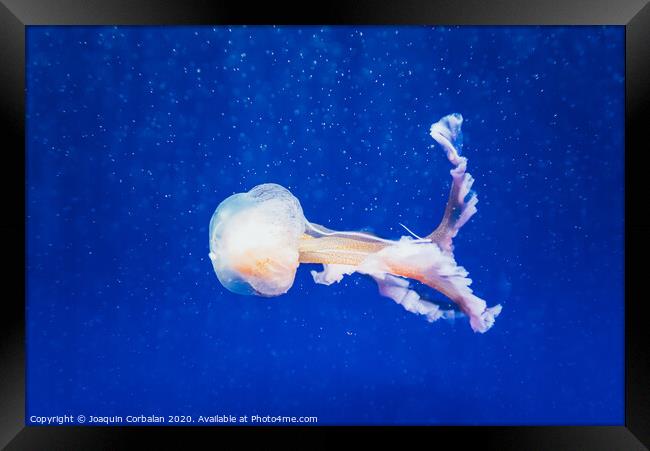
259,238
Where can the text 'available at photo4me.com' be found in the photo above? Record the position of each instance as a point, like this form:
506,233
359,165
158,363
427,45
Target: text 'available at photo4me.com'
70,419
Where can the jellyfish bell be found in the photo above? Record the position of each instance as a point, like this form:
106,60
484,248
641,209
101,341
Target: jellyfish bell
254,240
259,238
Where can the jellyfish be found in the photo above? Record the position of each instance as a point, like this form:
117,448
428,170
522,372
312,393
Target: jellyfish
259,238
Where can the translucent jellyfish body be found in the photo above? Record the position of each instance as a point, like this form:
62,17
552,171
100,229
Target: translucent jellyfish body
254,240
259,238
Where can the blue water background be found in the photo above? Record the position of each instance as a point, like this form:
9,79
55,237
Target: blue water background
135,134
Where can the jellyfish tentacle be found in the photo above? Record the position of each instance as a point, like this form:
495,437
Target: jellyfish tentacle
398,289
427,263
461,204
447,132
332,273
344,250
417,237
317,231
460,208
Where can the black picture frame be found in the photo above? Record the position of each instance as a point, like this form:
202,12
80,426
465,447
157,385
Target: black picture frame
15,15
